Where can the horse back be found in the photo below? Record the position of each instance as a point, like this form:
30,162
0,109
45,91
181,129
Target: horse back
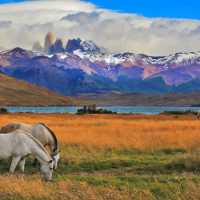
40,132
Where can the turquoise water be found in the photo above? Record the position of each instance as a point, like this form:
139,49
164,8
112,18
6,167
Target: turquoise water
118,109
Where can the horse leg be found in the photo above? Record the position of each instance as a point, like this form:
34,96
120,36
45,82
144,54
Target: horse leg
15,161
22,164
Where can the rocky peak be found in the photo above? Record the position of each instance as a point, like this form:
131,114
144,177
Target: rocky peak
18,53
84,46
37,47
49,41
57,47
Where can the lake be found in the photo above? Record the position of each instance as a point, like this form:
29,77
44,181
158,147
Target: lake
118,109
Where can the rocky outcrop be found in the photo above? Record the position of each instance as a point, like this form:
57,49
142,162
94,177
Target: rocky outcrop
57,47
53,45
82,45
49,41
37,47
73,45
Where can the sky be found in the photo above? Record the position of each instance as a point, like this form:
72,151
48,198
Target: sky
152,27
155,8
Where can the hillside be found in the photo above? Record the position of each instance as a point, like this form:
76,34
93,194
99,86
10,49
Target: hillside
14,92
134,99
20,93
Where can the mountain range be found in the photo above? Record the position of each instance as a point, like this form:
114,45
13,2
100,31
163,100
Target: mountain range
81,67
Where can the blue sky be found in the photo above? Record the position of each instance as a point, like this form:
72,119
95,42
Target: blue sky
150,8
155,8
9,1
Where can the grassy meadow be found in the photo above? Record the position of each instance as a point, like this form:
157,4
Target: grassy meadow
113,157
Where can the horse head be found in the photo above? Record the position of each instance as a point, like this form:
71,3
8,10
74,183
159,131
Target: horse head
56,158
47,170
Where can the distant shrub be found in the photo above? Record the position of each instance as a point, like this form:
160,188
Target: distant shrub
93,110
180,112
3,110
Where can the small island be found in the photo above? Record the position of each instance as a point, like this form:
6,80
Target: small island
92,109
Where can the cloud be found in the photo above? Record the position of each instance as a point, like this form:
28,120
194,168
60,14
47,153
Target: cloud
24,23
83,17
5,24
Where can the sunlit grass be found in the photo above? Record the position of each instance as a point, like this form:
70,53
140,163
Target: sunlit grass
119,131
113,157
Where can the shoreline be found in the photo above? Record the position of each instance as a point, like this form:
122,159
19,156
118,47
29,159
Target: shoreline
109,110
108,105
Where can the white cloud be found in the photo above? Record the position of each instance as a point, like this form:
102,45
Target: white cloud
23,23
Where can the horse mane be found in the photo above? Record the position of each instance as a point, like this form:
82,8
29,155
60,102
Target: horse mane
53,135
37,142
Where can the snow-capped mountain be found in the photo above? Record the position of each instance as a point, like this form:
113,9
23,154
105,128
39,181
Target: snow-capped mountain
83,67
178,58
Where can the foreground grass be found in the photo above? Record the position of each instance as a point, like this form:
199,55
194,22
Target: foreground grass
113,158
100,173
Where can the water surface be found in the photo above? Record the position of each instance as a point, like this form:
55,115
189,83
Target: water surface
118,109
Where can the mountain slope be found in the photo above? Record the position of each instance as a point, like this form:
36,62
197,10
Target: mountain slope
135,99
19,93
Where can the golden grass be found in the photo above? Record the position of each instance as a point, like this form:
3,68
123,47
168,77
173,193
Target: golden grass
110,131
120,131
20,187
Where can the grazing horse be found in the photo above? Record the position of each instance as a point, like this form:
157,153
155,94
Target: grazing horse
40,131
18,145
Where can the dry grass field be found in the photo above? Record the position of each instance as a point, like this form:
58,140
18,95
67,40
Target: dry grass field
107,157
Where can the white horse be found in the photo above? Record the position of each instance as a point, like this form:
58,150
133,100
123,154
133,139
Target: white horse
40,131
18,145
